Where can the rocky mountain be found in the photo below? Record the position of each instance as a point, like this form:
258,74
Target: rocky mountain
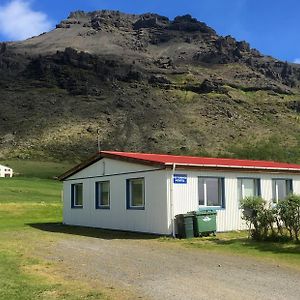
145,83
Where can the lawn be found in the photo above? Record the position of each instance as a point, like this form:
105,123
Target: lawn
29,203
25,201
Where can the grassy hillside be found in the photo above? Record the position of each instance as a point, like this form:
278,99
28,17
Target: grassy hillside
38,169
170,86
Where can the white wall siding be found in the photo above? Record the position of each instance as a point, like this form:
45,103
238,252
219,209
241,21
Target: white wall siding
107,166
185,195
152,219
229,218
186,199
157,215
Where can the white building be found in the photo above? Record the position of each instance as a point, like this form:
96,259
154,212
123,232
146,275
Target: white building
5,171
144,192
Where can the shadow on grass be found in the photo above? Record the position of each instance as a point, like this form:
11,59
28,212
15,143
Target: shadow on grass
92,232
279,247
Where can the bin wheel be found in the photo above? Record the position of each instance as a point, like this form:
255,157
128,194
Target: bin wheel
214,233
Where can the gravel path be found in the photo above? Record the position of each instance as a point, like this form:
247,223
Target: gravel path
158,270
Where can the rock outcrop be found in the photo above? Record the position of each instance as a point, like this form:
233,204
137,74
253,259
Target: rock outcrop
146,82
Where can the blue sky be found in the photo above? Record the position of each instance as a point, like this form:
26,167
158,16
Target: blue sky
271,26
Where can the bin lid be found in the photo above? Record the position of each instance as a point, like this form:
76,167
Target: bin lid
205,212
189,214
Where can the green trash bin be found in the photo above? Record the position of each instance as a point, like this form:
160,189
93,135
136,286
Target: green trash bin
205,222
185,226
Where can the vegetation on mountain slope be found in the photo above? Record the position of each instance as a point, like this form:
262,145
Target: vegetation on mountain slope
145,83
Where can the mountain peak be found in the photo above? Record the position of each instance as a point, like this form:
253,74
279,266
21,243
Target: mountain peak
131,77
101,18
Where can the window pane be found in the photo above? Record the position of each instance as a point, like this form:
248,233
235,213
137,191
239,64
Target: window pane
249,187
201,191
281,189
104,193
289,186
240,193
274,193
78,194
137,192
213,192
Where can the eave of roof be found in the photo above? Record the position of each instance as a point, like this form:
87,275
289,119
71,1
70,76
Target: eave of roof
79,167
2,166
99,156
168,161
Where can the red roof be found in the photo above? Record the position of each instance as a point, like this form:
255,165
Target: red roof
165,160
202,161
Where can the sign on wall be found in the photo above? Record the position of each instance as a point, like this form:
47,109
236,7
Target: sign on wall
180,178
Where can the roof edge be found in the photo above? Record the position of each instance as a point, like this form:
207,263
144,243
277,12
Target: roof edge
111,155
147,162
104,154
80,167
234,167
5,166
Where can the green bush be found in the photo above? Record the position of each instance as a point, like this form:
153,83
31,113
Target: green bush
289,213
266,222
258,216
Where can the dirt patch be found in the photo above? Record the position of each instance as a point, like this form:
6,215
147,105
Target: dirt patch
150,269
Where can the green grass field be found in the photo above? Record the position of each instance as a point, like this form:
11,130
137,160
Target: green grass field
29,168
25,201
32,199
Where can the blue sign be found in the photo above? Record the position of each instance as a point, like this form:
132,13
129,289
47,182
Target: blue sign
180,178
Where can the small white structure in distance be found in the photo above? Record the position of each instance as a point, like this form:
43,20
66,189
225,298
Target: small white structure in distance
144,192
6,171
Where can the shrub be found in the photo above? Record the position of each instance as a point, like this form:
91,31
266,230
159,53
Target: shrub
258,216
289,213
265,222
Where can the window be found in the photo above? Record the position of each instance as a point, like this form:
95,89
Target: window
103,194
281,188
77,195
136,193
248,187
211,191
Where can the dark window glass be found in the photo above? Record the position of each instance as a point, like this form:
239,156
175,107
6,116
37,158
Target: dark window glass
201,191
